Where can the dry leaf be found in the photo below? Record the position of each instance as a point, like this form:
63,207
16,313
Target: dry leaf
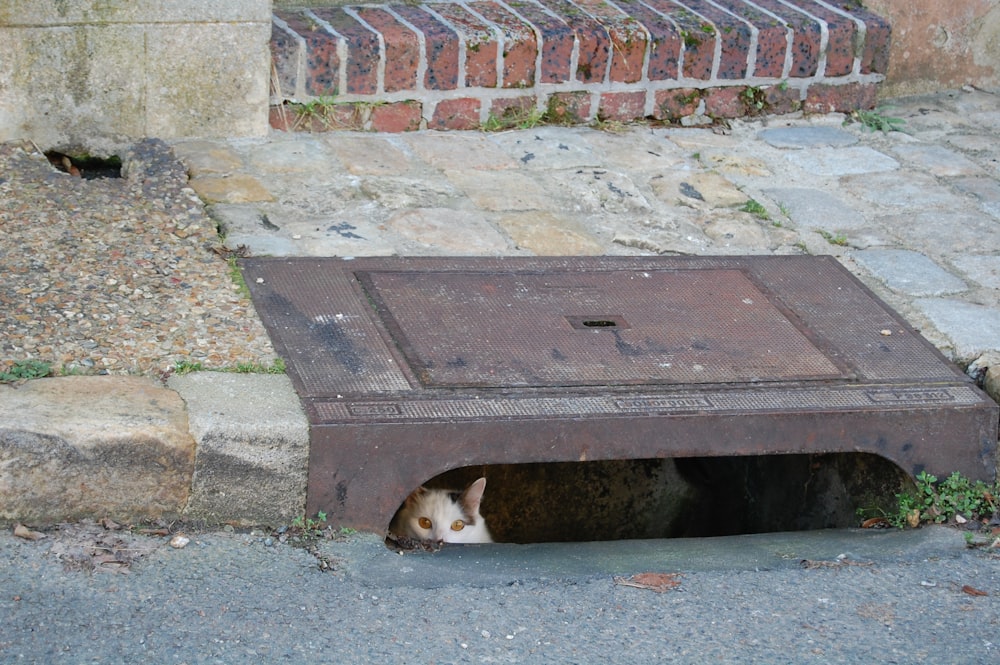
22,531
110,524
841,562
875,523
658,582
972,591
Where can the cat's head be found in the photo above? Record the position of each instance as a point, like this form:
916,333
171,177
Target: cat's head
445,516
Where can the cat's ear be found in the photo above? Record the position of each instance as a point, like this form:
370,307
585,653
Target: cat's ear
415,496
473,494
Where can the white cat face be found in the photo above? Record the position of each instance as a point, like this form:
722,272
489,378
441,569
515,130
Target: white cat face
444,516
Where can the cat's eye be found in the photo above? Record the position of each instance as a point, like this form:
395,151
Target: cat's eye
424,523
457,525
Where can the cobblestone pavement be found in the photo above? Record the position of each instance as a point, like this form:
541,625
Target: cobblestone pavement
914,213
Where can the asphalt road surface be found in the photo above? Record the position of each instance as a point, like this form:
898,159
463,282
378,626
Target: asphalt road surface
84,594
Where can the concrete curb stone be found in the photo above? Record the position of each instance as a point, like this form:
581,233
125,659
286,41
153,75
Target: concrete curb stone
93,446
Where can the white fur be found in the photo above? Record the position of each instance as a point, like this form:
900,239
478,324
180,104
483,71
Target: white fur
442,509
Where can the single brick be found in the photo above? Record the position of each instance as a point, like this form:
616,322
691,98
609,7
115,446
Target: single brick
823,98
842,37
772,45
734,35
772,38
441,47
782,99
556,46
672,105
878,37
456,114
345,117
568,108
519,48
362,50
665,41
728,102
280,117
322,62
402,50
481,50
623,106
628,40
285,57
698,37
396,117
592,37
806,41
320,118
512,107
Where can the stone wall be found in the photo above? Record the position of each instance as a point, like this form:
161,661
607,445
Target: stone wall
941,45
93,75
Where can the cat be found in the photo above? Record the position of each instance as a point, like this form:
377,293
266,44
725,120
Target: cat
443,516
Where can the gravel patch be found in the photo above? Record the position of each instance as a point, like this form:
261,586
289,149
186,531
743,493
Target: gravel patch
116,275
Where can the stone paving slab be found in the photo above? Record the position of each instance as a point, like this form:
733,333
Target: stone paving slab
913,213
86,446
252,447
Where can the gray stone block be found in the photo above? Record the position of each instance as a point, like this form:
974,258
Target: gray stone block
252,447
816,209
93,446
845,161
94,76
807,137
909,272
972,329
984,270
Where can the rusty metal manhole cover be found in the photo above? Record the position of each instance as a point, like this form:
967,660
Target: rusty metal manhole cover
408,367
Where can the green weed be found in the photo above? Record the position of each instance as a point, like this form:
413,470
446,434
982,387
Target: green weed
236,275
26,369
610,126
277,367
754,100
875,121
956,499
839,239
513,118
182,367
309,524
755,208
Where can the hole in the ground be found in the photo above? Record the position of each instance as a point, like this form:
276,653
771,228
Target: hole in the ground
85,166
684,497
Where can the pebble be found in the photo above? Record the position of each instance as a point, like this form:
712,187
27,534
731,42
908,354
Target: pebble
180,541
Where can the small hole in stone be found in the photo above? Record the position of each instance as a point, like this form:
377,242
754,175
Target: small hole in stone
680,498
85,166
596,321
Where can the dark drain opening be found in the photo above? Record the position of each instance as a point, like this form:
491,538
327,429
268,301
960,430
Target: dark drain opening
677,498
86,166
591,322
